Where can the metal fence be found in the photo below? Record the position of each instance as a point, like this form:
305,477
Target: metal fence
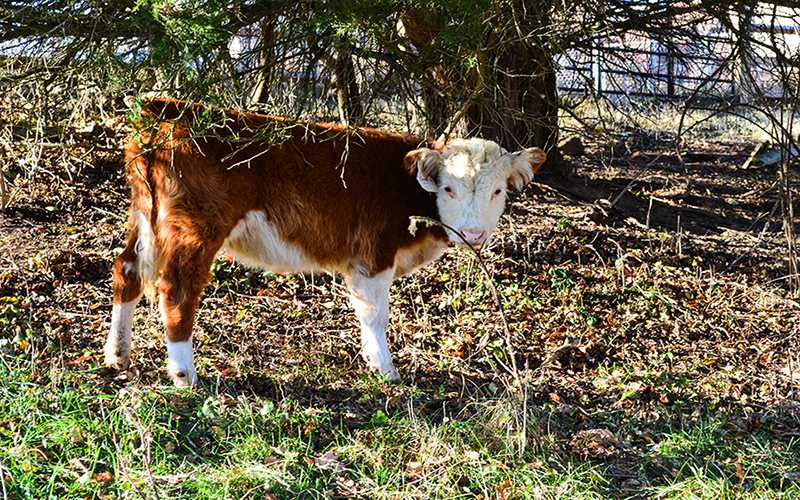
636,67
704,66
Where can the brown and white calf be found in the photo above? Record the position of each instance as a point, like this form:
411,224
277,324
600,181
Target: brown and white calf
325,198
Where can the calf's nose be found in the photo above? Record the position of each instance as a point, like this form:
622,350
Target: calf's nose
473,236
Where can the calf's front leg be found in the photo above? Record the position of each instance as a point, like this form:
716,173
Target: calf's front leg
369,296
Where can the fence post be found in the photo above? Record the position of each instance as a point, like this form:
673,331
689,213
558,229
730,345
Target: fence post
670,73
743,77
597,69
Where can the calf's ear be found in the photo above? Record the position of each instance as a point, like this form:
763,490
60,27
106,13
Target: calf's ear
522,165
426,164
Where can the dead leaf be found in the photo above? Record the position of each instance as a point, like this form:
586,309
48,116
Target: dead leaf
504,489
792,477
79,360
740,470
104,477
472,455
594,443
631,484
76,464
329,461
414,470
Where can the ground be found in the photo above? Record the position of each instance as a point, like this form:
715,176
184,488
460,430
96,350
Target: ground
654,335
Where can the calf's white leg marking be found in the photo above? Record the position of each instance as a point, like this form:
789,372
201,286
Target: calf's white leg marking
118,343
180,356
369,296
180,363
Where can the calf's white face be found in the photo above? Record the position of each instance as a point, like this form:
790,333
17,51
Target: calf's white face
470,178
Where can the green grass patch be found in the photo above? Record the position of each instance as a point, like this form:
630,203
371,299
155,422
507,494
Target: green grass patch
74,436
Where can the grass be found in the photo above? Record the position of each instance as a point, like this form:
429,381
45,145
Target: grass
663,119
72,438
629,409
75,436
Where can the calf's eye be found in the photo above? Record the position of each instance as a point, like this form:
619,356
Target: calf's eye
498,192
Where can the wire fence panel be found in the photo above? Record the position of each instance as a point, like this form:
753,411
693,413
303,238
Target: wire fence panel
705,66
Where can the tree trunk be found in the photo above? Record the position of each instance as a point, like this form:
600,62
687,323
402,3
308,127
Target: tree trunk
437,107
743,70
348,96
264,76
517,102
522,109
513,99
421,27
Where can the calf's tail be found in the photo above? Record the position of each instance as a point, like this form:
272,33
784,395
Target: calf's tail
143,215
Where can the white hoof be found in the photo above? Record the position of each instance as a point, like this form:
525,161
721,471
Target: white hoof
382,366
182,376
116,358
118,344
180,363
391,375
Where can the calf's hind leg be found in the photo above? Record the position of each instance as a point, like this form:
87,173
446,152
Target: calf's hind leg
127,283
183,278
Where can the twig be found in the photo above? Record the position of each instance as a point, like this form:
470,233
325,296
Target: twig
412,227
758,241
631,184
146,439
122,467
3,190
106,212
573,200
3,481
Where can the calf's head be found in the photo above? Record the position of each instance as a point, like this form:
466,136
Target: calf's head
470,178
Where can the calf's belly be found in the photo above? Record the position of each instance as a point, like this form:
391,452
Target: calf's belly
255,242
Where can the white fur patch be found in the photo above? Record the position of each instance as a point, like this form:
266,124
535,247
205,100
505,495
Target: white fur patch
162,309
255,242
180,360
145,249
118,344
470,178
370,299
180,363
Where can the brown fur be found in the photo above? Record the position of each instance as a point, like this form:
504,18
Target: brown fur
344,196
127,285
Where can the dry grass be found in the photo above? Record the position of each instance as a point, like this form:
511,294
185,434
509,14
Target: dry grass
663,119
